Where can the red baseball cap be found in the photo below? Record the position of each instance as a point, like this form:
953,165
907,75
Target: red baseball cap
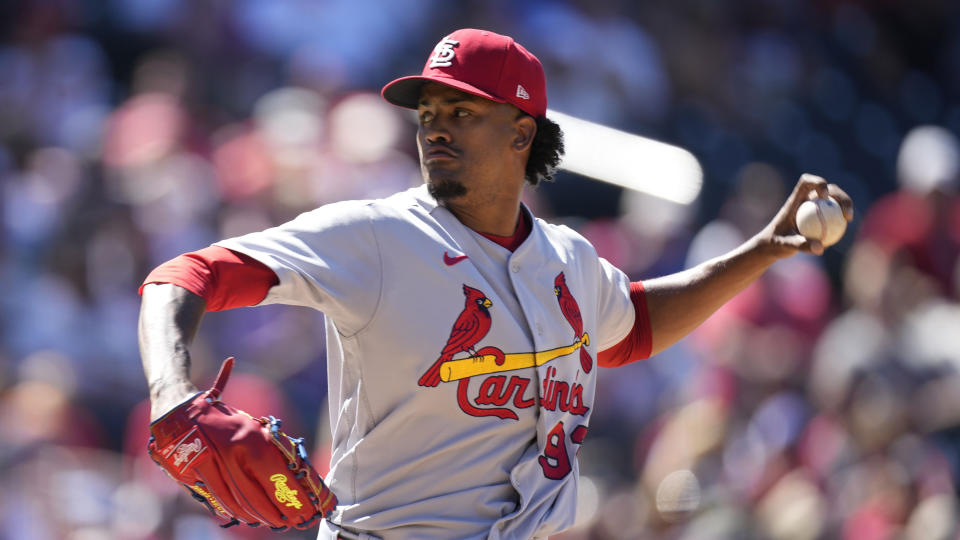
481,63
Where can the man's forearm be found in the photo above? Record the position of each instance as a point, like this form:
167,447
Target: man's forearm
169,318
680,302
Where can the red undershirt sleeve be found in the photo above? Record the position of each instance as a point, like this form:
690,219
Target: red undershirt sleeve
225,279
638,343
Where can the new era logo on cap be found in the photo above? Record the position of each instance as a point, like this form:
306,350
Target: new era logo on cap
481,63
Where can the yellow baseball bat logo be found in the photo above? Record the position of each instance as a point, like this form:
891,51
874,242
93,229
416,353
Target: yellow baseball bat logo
455,370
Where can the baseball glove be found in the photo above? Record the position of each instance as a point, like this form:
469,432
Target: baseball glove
245,470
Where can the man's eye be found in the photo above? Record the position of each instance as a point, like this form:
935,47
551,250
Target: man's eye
425,117
460,113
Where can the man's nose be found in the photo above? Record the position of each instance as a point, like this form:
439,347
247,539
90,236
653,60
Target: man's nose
436,132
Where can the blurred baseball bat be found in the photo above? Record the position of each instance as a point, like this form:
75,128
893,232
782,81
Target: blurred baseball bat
629,161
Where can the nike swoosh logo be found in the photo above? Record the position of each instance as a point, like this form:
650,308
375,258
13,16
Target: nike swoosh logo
453,260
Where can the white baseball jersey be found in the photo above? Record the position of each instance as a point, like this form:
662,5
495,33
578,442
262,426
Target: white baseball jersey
461,375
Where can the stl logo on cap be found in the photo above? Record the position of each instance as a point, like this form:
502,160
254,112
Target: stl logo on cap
443,53
482,63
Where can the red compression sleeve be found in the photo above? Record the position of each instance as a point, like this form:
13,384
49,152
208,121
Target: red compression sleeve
638,343
225,279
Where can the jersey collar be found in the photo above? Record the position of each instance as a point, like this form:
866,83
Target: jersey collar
428,203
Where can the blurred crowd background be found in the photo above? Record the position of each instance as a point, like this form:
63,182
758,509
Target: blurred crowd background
823,402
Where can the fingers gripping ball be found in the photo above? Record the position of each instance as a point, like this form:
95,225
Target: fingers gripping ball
821,219
244,469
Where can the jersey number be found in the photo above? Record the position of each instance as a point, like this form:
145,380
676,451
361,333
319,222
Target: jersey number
555,460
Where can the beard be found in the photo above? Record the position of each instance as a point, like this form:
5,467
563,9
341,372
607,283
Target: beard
445,189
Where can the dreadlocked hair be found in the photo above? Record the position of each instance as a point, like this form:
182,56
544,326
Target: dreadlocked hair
545,151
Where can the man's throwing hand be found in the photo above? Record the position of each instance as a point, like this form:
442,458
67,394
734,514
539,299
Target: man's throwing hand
781,233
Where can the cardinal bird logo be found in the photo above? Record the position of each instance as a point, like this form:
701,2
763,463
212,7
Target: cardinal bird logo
471,326
571,311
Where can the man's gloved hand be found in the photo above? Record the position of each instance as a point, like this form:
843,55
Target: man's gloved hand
244,469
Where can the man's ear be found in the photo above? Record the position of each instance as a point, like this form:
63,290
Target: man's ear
526,129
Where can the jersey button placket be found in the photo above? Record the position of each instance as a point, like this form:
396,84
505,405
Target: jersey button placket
534,324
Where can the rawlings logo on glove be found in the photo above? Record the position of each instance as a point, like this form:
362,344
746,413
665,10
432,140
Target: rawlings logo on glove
228,460
283,493
183,451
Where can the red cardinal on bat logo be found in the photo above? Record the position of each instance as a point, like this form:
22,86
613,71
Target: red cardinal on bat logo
571,310
470,327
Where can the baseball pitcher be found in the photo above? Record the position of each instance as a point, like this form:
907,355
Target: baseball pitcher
464,334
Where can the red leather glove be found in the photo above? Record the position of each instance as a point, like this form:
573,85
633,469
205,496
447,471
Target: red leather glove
243,469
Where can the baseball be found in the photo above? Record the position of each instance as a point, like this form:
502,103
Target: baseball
678,495
821,219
